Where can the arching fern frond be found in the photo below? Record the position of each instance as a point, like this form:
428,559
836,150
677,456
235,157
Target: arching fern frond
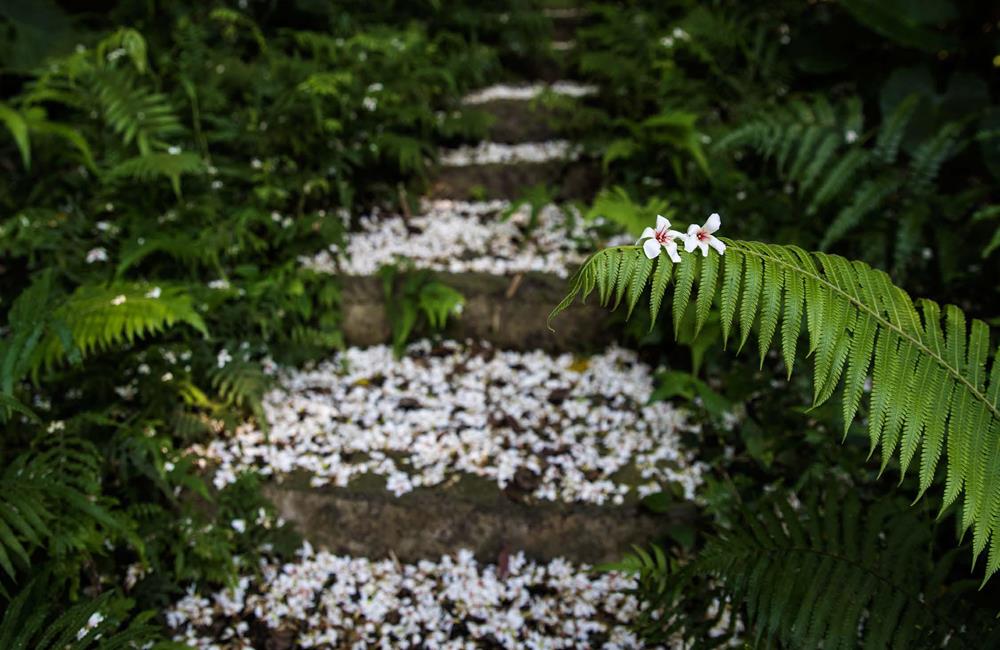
133,111
102,316
30,621
163,165
830,574
812,144
92,319
931,392
51,498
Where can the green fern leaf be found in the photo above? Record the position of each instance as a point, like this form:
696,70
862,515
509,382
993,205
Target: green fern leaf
644,266
19,131
933,391
661,279
686,272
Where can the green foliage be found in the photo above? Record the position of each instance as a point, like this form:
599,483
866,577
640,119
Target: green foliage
821,151
32,621
47,328
617,206
412,297
930,389
828,572
164,180
50,499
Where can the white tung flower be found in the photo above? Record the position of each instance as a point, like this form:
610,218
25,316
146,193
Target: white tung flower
702,237
662,236
97,255
118,300
154,293
95,619
223,358
239,525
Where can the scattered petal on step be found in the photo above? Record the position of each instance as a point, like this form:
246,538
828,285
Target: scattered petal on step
526,92
325,600
495,153
463,237
585,432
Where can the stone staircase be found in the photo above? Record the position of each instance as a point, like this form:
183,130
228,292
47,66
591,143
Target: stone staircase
494,462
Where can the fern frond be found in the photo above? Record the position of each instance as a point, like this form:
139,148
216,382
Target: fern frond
134,112
47,496
828,574
165,165
893,128
96,318
18,128
856,319
868,198
241,383
809,143
127,40
31,621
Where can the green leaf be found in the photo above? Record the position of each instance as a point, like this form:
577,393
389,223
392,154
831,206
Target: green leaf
19,131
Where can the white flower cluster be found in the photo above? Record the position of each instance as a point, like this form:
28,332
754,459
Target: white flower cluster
560,428
327,601
462,237
494,153
527,92
700,237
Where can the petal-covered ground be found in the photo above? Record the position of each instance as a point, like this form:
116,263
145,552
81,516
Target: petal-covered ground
562,428
493,153
526,92
331,601
462,236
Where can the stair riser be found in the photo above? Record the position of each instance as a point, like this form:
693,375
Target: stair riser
429,524
516,321
578,180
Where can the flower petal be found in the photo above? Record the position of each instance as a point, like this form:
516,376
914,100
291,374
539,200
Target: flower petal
646,234
717,244
703,245
693,230
662,222
651,248
713,223
671,247
675,234
690,242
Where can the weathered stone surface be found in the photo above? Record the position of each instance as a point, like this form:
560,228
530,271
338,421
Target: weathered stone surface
510,312
564,26
571,180
472,513
522,121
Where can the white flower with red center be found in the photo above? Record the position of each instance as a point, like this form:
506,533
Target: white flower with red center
662,236
702,237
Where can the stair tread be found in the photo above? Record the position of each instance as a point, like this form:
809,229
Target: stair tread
325,600
484,446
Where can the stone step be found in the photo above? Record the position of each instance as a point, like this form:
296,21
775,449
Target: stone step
466,446
520,113
512,268
570,180
321,600
509,311
366,520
